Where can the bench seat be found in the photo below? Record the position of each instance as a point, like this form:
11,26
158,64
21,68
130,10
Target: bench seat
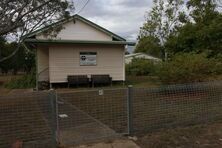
77,80
101,79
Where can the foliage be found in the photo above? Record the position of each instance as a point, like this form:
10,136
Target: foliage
26,81
218,64
149,45
188,67
193,26
23,60
140,67
201,11
127,52
203,34
164,18
19,17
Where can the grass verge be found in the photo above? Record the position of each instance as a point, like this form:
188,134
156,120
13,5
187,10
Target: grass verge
207,135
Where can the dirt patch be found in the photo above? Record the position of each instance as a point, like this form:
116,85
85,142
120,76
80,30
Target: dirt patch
4,91
20,91
121,143
199,136
207,136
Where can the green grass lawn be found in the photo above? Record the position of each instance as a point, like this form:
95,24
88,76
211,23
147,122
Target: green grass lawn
142,81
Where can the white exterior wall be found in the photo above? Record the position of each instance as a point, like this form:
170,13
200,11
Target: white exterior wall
43,63
79,31
64,60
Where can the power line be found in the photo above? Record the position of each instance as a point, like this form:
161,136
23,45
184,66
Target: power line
83,7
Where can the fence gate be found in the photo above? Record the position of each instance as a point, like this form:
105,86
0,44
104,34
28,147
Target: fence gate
87,116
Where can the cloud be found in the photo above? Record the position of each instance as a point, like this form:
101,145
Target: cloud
123,17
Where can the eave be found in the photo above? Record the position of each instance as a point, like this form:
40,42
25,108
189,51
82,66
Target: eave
41,41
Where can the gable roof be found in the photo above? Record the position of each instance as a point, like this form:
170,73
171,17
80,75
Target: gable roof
76,16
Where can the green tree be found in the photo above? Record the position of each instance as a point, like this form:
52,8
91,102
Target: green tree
202,34
140,67
202,11
19,17
164,17
23,60
149,45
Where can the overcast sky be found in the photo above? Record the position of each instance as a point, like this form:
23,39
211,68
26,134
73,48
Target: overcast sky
123,17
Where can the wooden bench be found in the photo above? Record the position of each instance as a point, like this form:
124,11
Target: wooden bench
101,79
77,80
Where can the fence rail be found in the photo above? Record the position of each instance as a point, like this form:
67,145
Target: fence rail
42,119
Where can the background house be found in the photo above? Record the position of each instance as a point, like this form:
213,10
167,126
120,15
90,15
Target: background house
80,47
130,57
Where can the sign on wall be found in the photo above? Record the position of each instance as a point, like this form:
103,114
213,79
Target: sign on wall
87,58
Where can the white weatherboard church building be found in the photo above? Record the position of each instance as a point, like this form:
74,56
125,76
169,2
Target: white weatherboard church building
81,47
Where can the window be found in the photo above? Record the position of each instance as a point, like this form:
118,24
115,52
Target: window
87,58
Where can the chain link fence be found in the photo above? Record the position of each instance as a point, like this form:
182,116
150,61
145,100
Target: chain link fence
27,120
137,110
176,105
42,118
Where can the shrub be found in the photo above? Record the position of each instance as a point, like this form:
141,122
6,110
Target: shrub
26,81
188,67
140,67
218,66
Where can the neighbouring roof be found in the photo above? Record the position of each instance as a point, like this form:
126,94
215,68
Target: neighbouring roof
115,36
41,41
141,55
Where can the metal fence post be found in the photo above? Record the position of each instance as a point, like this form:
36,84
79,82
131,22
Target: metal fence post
54,107
57,118
130,109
